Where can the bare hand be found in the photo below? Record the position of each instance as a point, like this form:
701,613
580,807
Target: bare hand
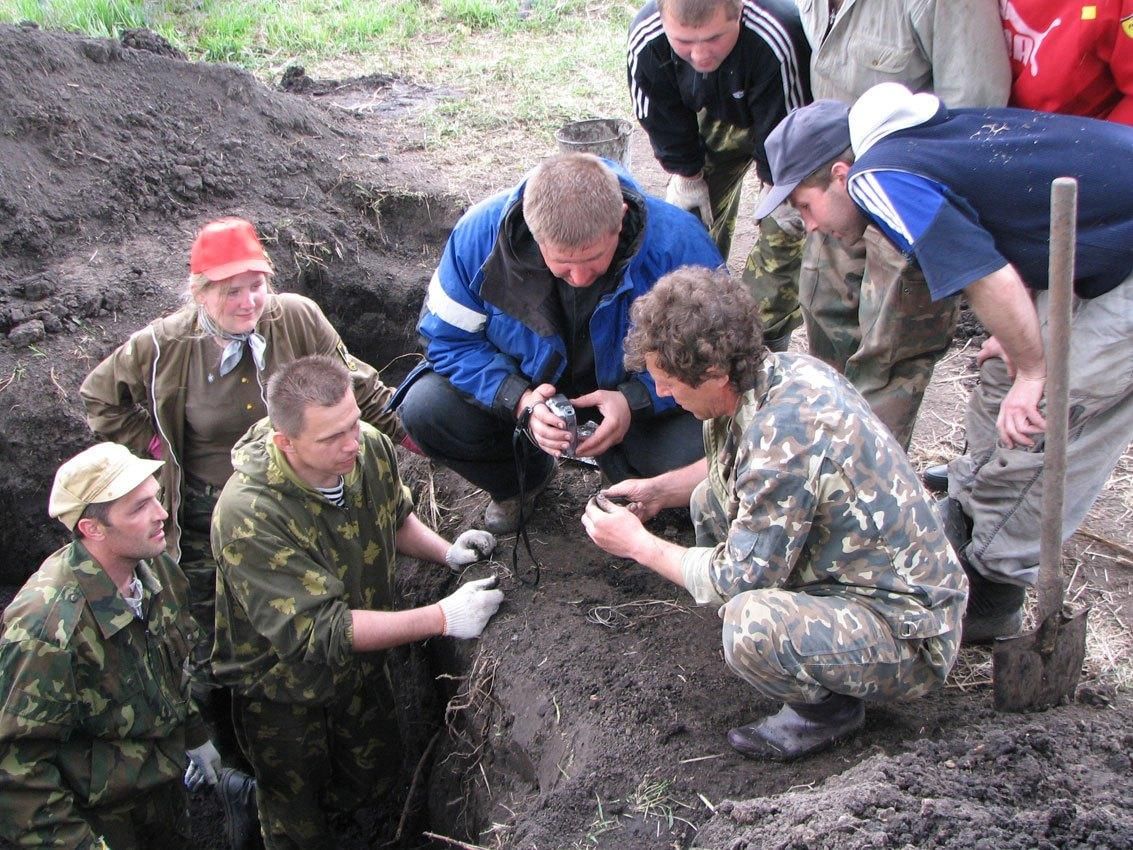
1019,415
641,496
612,527
546,429
993,348
616,419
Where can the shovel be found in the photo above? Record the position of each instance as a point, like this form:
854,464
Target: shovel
1034,671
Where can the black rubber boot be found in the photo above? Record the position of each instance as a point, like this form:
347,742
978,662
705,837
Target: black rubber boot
936,478
994,610
237,793
799,729
778,344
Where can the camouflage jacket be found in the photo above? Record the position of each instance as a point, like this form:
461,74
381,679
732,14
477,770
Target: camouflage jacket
96,704
820,498
291,566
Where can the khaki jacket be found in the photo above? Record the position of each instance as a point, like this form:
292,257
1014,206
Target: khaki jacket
138,391
952,48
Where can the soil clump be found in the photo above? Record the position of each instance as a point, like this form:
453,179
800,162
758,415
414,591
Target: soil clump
592,713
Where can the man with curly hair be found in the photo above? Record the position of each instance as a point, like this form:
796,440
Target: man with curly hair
814,534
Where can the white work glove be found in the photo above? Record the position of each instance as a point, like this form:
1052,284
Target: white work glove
471,546
690,193
468,610
204,762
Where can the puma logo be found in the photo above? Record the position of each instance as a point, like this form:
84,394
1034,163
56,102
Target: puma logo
1023,42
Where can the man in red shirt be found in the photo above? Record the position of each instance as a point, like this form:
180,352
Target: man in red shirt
1071,57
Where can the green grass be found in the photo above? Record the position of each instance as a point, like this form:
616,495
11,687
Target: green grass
102,18
507,77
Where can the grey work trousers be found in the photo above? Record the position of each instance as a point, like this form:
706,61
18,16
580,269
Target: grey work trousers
1001,488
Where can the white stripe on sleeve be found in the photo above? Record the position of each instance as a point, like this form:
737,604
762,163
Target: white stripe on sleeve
640,38
775,35
445,308
868,192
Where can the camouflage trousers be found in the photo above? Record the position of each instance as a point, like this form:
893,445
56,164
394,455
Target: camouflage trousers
158,818
199,567
771,271
1001,488
313,762
800,647
869,315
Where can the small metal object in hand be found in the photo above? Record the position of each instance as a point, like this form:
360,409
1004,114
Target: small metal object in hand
602,500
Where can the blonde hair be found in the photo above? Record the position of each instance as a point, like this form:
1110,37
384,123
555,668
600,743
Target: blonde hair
694,13
199,284
572,200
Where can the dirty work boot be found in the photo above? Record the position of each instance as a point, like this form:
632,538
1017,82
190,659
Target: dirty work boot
936,478
799,729
237,793
503,517
994,610
778,344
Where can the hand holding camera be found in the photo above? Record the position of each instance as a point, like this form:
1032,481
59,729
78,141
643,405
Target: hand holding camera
560,406
553,420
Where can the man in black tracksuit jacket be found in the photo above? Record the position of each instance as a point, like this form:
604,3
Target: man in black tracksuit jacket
708,92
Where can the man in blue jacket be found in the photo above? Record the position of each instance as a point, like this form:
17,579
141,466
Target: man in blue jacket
532,299
965,193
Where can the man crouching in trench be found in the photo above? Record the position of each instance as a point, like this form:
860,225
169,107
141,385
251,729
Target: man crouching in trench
813,533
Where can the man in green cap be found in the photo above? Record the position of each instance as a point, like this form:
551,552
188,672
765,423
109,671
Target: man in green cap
96,721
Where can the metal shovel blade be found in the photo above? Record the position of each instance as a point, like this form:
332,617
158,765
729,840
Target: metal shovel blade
1035,671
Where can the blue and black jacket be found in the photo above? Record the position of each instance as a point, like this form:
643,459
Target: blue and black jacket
487,325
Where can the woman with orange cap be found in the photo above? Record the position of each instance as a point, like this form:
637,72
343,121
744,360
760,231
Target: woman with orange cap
187,386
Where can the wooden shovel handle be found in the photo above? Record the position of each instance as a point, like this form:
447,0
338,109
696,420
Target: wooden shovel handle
1063,230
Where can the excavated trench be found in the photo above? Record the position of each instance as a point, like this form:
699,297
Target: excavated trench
592,711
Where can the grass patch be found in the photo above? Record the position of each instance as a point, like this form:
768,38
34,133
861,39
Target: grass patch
507,72
100,18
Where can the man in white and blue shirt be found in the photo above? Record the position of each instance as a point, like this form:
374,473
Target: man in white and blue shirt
965,193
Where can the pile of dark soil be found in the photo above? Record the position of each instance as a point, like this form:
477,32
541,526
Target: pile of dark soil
592,713
1061,780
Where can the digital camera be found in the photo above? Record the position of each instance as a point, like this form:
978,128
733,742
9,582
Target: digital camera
562,408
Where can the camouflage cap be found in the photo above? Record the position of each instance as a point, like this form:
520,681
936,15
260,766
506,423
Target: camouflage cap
102,473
